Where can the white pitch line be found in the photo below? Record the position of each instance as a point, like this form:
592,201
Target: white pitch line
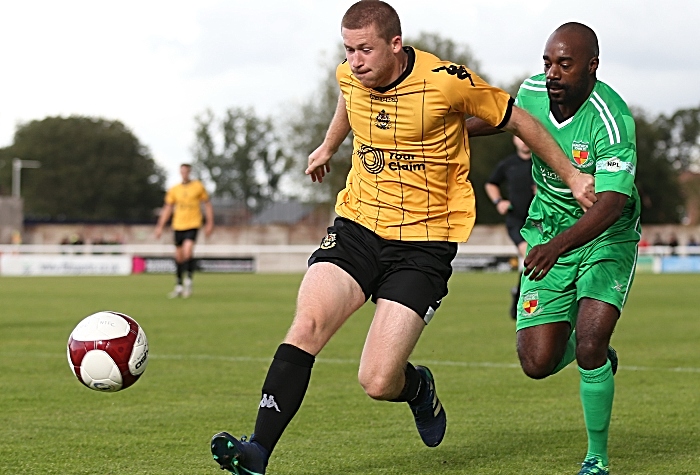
239,359
250,359
464,364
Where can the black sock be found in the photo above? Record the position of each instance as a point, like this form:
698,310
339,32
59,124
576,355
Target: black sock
180,267
515,296
190,267
413,387
282,393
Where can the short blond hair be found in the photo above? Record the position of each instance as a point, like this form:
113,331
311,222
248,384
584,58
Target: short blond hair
373,12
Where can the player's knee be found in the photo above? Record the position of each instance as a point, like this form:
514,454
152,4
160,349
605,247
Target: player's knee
310,332
591,354
536,366
376,386
304,332
378,391
536,372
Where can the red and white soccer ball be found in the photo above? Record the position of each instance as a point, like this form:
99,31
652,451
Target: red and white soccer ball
108,351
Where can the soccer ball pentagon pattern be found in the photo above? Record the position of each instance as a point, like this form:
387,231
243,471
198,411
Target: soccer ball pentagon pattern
108,351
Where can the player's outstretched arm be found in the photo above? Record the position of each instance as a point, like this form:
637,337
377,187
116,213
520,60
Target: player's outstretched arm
543,145
603,214
165,214
477,127
337,131
209,215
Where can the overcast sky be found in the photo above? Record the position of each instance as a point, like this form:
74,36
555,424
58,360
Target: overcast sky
155,64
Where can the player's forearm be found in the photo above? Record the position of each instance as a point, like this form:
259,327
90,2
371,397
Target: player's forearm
479,128
164,216
599,217
493,192
209,213
541,143
339,127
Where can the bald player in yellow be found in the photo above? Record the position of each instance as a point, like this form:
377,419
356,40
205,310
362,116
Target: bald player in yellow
183,202
406,205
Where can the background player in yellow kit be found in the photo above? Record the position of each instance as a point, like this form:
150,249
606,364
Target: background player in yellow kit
183,203
406,205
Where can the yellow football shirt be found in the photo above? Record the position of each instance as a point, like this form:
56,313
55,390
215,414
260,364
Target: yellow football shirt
186,199
410,163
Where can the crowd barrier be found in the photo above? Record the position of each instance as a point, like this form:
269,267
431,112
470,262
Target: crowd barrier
32,260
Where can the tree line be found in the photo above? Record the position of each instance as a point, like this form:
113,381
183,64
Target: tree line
91,169
95,169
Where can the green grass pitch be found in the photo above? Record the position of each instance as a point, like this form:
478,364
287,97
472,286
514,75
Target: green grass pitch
209,356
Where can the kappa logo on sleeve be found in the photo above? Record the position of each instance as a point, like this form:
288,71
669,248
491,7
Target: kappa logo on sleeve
454,70
618,287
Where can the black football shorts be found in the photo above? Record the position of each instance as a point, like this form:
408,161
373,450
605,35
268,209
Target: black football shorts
182,236
514,233
412,273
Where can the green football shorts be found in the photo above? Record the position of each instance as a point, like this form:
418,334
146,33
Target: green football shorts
602,271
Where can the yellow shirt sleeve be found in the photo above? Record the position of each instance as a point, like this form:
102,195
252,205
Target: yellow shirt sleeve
170,196
470,94
204,196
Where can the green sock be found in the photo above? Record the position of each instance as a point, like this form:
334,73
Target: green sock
597,392
569,353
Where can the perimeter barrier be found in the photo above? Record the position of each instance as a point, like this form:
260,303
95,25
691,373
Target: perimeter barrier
94,259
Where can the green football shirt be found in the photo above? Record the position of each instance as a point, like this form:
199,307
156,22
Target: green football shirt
600,140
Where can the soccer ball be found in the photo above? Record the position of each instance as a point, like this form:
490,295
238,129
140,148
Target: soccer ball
108,351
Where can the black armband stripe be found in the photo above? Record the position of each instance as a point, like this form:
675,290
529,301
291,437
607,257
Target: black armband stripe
506,117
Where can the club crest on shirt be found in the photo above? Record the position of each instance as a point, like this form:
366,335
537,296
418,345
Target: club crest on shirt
531,305
579,152
383,121
328,241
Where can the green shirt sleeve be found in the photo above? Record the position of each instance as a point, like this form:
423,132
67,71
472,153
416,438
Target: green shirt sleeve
616,164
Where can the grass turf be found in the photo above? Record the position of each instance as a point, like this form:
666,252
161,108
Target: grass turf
209,356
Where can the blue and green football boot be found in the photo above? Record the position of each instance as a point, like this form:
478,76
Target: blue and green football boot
240,457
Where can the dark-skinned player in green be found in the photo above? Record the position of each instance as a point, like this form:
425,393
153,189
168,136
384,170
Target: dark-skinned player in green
580,265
